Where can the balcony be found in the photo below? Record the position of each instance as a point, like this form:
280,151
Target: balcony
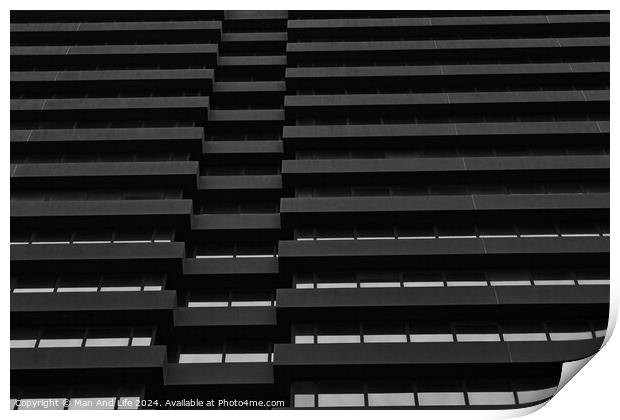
309,136
480,360
425,208
465,169
438,26
182,108
78,81
232,226
105,174
246,186
441,103
70,32
113,364
445,251
230,272
166,257
487,301
256,322
448,75
108,139
219,374
94,308
74,214
448,49
61,55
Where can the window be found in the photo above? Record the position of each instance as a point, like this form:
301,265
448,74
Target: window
535,390
251,298
426,279
23,343
91,337
391,399
448,190
490,393
497,231
379,284
526,189
303,280
200,358
537,230
384,332
73,284
430,332
121,283
375,232
153,282
61,338
569,331
220,208
534,395
107,338
332,280
247,352
509,278
341,400
303,400
416,232
204,353
578,230
328,191
235,298
303,233
213,299
523,331
76,283
563,187
378,279
20,237
456,231
51,237
423,279
215,250
441,398
409,190
132,236
482,332
440,393
247,357
338,333
604,226
22,338
553,278
600,328
592,277
334,233
92,237
371,191
464,279
142,337
163,235
304,334
488,189
255,250
35,284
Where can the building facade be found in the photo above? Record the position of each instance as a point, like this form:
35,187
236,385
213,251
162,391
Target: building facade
306,209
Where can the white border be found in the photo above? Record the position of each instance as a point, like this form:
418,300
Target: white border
592,395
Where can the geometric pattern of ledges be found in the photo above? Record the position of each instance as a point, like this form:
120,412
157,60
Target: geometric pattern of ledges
306,209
